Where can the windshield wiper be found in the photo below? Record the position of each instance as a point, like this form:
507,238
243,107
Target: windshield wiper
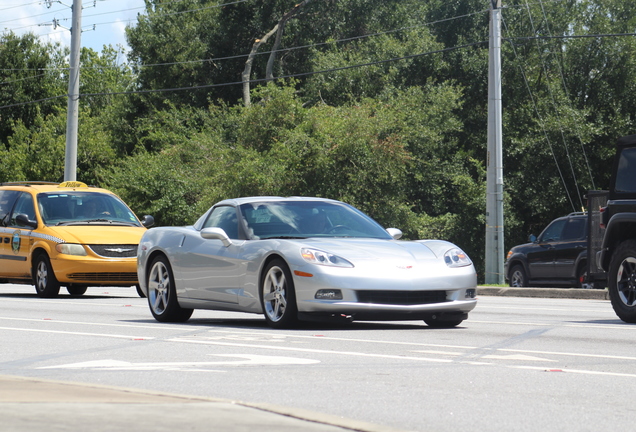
286,237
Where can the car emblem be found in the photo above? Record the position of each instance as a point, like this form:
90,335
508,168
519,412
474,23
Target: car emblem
118,250
15,244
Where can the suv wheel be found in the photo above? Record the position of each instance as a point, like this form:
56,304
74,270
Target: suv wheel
518,278
622,281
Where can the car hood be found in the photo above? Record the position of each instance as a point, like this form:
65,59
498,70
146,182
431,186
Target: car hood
97,234
395,252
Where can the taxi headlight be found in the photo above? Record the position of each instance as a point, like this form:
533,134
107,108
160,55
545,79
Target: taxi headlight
71,249
456,258
315,256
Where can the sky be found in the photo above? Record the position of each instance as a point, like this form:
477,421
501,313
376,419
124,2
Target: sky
110,18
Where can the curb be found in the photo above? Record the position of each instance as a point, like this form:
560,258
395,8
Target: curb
571,293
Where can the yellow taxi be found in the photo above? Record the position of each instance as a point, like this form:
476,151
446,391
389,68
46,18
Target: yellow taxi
67,234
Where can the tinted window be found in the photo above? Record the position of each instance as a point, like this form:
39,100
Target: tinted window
574,229
7,199
24,205
626,172
553,231
224,217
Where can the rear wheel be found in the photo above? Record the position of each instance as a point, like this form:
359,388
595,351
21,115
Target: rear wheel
162,293
582,279
140,293
518,278
622,281
46,285
76,290
278,297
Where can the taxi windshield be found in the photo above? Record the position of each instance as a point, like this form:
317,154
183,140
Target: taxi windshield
64,208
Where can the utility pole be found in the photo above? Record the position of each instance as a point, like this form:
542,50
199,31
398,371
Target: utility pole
494,176
70,162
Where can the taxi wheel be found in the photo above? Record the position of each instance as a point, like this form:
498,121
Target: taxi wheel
162,293
46,285
76,290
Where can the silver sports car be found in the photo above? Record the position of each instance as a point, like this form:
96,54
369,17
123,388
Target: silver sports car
302,258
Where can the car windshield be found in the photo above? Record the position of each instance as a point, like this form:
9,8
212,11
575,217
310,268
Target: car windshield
303,219
73,208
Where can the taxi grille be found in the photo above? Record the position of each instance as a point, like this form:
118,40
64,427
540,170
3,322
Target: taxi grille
401,297
105,277
115,251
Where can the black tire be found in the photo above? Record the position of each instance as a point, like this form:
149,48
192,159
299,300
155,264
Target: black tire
46,285
622,281
278,296
518,278
76,290
162,293
140,293
445,320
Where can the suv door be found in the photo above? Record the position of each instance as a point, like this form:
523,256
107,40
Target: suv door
7,257
567,250
541,257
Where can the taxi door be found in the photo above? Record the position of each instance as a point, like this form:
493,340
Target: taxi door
17,252
7,257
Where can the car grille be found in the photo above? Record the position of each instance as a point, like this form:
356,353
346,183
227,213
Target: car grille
401,297
115,251
105,277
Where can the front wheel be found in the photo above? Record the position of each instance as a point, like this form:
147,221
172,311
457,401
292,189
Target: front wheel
622,281
445,320
278,297
162,293
518,278
46,285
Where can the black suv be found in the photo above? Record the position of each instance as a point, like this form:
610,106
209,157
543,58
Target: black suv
557,257
617,255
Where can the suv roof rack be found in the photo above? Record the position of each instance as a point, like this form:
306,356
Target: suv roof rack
578,213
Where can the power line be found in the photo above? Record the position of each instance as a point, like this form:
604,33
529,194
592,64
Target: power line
261,79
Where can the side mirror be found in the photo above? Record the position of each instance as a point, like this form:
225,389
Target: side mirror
395,233
216,234
24,220
532,238
148,221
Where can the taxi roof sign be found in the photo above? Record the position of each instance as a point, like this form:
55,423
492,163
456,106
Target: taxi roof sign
73,184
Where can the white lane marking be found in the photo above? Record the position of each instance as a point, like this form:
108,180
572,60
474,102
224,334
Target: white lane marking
244,360
83,323
79,333
520,357
557,324
309,350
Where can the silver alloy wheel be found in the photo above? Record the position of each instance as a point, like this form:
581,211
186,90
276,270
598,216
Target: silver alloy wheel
41,276
626,281
158,287
275,294
517,279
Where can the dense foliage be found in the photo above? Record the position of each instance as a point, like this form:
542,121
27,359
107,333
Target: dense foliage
380,103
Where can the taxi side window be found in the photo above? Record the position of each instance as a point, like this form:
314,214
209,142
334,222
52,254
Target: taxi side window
7,199
224,217
24,205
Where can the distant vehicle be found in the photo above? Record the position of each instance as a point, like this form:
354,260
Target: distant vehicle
302,259
558,257
67,234
617,254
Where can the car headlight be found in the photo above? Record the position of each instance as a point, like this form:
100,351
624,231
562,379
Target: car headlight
71,249
315,256
456,258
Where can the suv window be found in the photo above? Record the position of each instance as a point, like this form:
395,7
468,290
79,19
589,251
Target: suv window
626,174
574,229
553,231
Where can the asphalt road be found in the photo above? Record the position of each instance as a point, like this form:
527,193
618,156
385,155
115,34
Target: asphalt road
518,363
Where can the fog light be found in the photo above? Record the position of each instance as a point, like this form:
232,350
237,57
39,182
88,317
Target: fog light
470,293
328,294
